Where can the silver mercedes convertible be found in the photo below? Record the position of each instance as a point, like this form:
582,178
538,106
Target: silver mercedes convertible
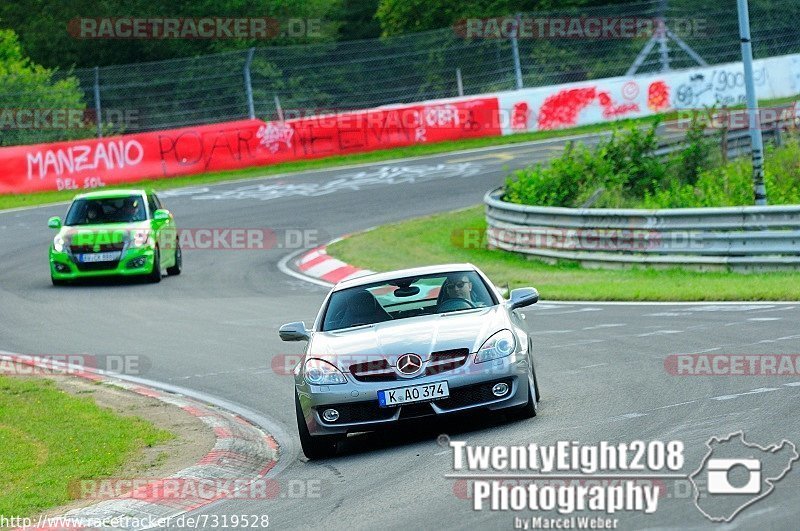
420,342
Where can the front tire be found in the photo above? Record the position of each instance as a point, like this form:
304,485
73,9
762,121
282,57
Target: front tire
155,275
315,447
528,411
57,281
176,269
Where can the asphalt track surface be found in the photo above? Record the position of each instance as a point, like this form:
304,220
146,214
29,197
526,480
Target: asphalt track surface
214,330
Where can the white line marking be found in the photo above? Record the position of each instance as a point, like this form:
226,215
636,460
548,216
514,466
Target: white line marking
627,416
674,405
753,392
595,365
610,325
660,333
765,318
579,343
792,384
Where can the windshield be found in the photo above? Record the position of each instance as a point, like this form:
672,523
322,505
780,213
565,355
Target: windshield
406,297
106,210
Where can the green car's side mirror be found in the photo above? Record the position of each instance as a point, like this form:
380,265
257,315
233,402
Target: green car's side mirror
161,215
54,222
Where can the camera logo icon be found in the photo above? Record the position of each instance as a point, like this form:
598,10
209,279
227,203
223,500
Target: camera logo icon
735,474
719,476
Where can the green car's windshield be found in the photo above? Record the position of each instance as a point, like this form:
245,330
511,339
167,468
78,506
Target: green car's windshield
106,210
406,297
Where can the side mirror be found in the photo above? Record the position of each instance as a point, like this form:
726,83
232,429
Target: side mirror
522,297
294,332
161,215
54,222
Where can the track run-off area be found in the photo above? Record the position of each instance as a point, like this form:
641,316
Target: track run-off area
212,331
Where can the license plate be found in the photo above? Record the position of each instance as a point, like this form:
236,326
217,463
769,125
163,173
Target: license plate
414,393
99,257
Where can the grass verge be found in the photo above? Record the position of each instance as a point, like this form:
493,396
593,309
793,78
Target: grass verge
429,240
50,439
21,200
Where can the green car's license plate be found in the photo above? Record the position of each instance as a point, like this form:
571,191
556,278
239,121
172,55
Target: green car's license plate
99,257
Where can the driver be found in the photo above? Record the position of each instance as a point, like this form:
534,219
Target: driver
130,210
459,286
92,213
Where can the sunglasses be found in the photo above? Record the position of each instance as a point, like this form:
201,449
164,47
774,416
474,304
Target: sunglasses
460,284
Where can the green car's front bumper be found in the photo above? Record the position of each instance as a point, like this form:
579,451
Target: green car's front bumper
133,261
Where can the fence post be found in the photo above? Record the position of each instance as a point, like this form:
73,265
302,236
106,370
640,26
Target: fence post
248,84
98,109
515,53
459,82
278,108
756,141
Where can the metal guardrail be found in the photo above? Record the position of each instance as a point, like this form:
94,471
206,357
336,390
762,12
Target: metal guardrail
736,238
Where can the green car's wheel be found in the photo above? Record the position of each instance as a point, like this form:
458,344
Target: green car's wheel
176,269
155,274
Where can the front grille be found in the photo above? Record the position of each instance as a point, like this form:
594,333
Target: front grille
373,371
446,360
96,266
101,248
411,411
380,370
360,412
470,395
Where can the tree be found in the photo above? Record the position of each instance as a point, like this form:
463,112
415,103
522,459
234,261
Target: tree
46,27
27,89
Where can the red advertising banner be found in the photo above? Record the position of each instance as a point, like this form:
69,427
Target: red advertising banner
94,163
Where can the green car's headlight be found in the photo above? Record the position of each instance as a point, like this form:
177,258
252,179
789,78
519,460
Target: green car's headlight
499,345
320,372
58,243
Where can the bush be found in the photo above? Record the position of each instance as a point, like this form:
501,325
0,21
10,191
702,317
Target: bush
622,165
625,168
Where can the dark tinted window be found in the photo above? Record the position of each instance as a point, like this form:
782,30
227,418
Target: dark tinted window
406,297
107,210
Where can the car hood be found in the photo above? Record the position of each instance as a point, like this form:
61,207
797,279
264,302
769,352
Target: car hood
420,335
102,233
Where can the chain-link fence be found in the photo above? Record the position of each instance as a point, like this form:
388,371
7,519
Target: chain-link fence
546,48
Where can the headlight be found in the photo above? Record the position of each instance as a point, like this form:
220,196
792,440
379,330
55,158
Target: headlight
320,372
142,238
58,243
500,345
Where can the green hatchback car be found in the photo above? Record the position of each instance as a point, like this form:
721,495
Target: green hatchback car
114,232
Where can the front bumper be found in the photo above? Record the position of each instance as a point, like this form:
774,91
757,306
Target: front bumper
357,402
133,261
